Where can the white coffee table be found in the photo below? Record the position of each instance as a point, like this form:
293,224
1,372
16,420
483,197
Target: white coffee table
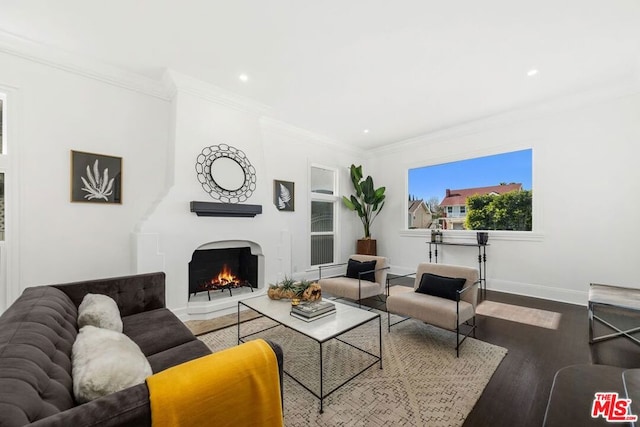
321,330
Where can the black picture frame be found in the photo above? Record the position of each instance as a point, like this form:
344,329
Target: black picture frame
284,195
96,178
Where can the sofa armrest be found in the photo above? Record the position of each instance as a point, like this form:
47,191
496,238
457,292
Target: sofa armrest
127,408
280,357
218,387
133,294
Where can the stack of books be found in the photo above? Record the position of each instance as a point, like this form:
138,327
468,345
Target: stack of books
312,310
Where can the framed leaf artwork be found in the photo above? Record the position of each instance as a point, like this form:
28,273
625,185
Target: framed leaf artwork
284,195
96,178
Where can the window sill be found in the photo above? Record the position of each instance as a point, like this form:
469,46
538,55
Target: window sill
460,236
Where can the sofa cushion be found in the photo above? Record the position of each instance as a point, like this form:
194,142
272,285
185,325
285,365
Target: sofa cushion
177,355
104,362
156,330
354,289
100,311
433,310
440,286
354,267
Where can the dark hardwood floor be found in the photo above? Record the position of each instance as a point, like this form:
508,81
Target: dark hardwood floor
519,389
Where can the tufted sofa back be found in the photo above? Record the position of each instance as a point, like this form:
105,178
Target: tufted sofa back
36,336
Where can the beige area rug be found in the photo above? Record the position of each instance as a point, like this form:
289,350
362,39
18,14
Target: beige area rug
516,313
422,383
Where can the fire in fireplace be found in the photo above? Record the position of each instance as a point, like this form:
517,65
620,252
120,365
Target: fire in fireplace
225,277
222,270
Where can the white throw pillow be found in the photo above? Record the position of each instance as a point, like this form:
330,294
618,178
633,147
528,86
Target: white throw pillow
100,311
105,361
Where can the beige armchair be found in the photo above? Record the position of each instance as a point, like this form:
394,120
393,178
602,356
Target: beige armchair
366,280
455,308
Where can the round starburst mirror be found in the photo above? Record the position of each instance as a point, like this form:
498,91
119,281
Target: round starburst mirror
225,173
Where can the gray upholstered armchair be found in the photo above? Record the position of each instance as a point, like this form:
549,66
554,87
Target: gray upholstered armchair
365,277
444,295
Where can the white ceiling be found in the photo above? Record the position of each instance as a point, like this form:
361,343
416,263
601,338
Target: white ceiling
336,67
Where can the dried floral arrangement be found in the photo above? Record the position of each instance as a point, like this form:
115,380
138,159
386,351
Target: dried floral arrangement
289,288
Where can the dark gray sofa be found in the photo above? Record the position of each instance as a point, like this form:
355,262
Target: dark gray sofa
37,333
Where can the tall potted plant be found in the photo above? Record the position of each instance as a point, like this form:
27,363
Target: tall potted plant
367,203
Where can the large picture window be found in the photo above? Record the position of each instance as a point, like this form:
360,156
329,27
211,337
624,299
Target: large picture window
323,212
484,193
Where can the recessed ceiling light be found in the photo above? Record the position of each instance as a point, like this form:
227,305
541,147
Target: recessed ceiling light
243,77
532,72
366,131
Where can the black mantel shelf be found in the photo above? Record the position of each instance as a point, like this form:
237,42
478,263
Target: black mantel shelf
225,209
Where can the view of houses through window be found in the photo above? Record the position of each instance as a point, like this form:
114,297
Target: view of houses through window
323,211
484,193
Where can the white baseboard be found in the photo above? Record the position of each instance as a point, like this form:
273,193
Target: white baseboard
539,291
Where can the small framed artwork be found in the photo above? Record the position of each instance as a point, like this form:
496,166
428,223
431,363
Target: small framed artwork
284,195
96,178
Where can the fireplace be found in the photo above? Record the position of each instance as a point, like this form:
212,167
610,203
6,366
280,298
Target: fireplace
221,273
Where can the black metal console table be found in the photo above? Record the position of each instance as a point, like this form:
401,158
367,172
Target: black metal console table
482,259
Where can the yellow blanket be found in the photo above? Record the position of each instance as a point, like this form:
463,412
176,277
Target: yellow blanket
239,386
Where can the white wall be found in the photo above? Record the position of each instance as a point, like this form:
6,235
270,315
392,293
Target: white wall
203,116
289,153
585,183
586,199
79,106
59,111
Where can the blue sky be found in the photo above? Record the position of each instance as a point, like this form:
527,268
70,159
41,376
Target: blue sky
432,181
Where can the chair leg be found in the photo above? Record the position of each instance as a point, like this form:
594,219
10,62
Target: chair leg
472,332
474,326
590,322
388,321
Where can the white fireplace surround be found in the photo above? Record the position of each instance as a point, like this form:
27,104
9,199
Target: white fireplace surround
167,237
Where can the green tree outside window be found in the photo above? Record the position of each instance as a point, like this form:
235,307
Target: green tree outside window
508,211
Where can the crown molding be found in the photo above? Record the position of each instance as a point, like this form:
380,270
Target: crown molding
626,87
177,82
37,52
275,126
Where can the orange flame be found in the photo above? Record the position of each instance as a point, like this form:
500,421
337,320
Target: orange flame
225,277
